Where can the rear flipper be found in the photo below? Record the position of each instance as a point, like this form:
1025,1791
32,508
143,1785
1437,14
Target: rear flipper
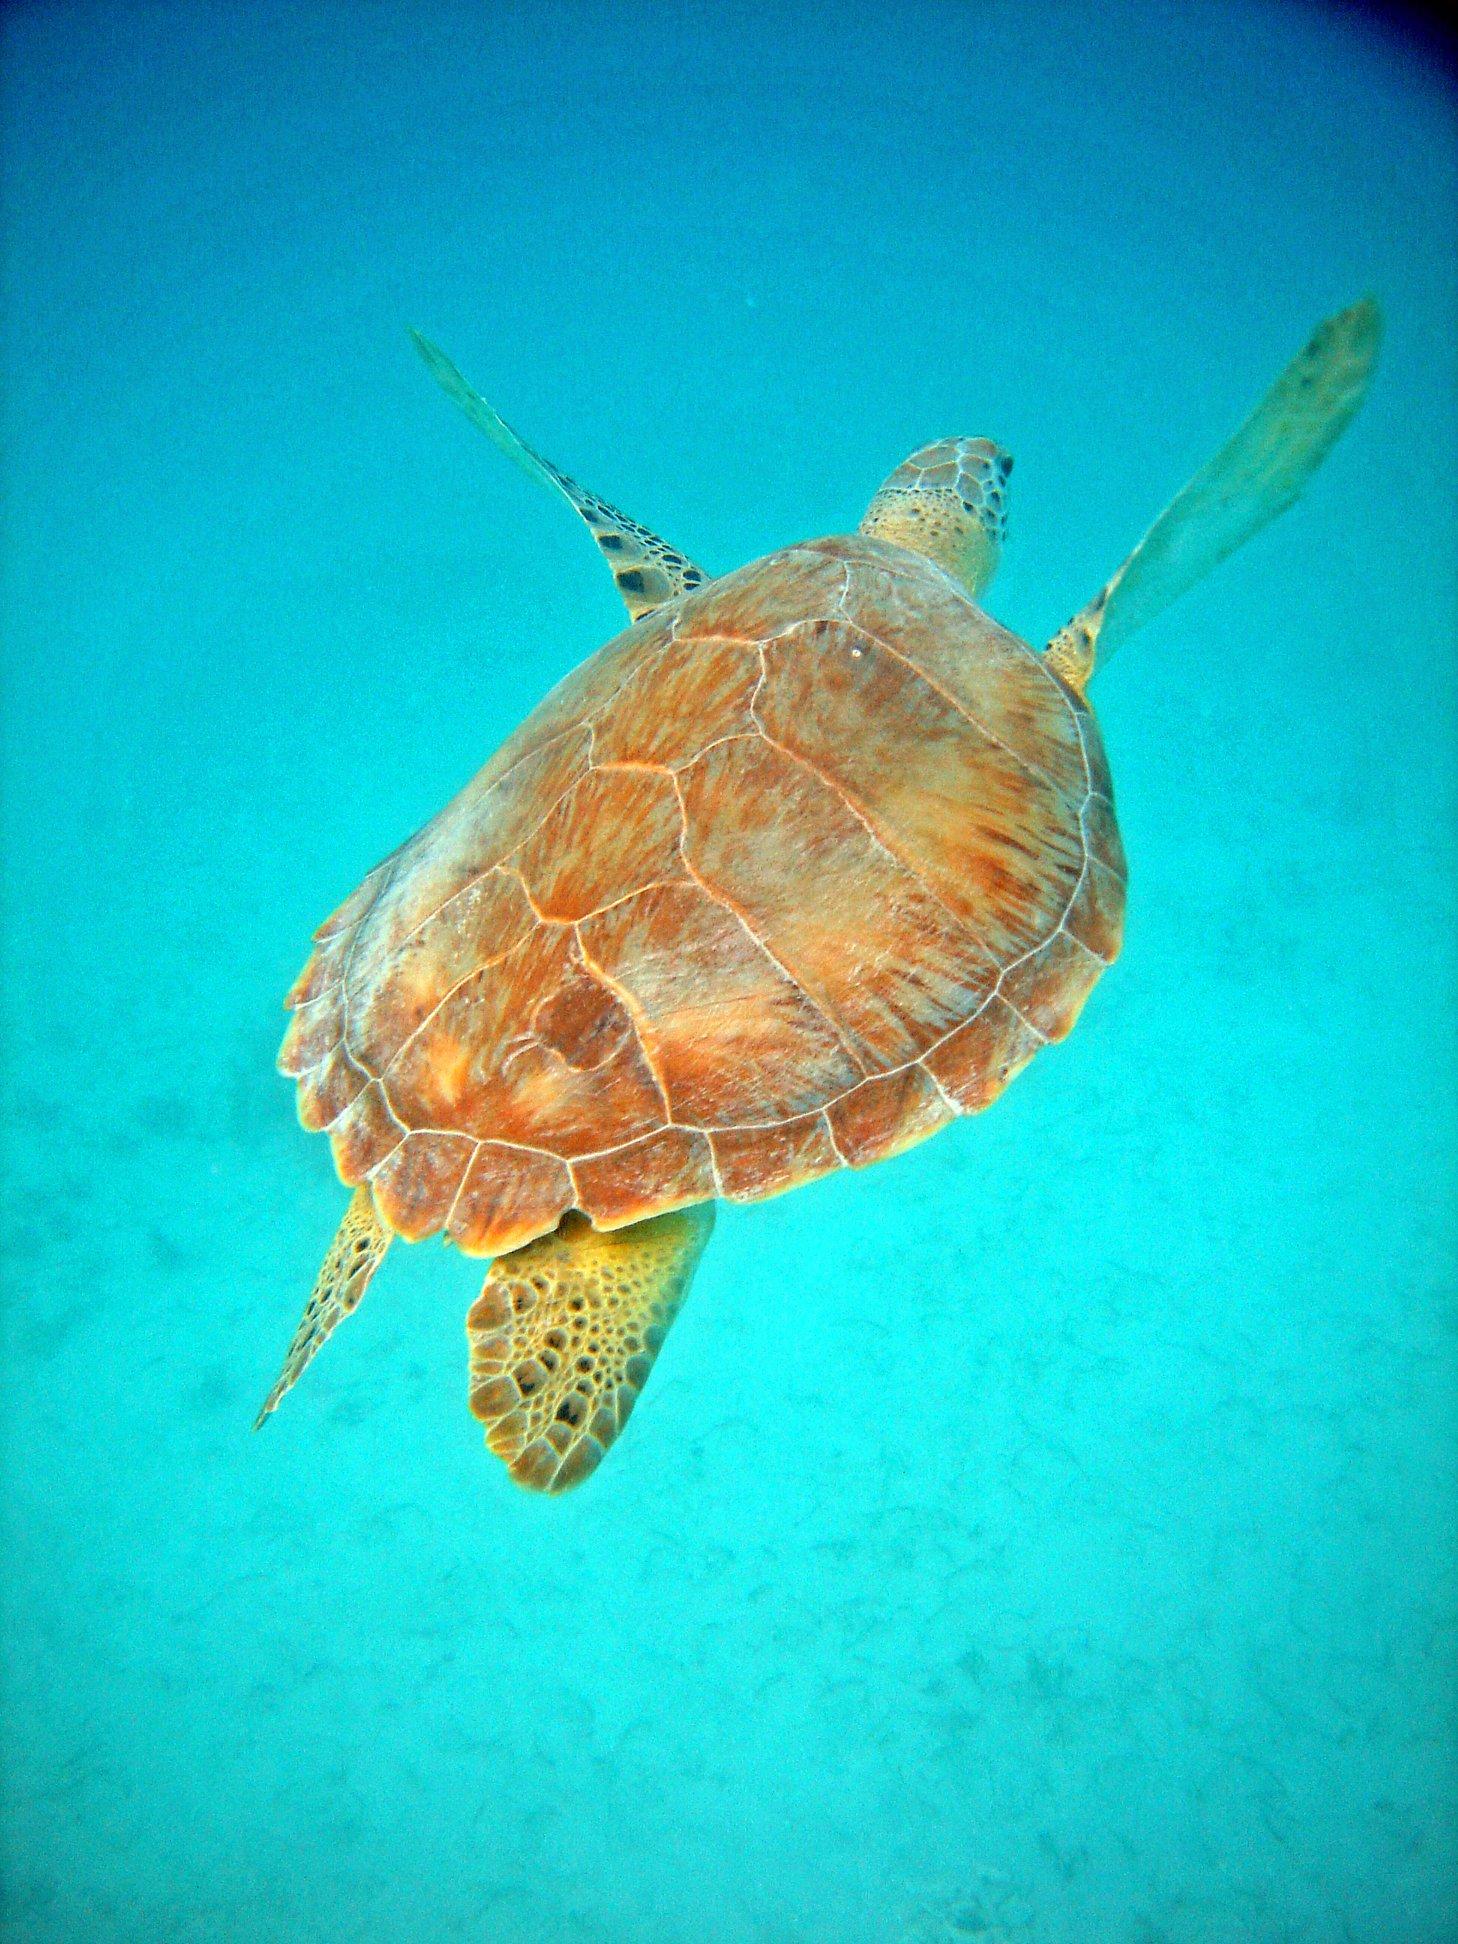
565,1332
344,1275
1253,477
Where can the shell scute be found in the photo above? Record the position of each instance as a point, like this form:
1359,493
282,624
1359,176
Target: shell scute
346,916
479,1068
728,1033
886,1115
477,928
417,1183
1049,986
1009,693
757,602
580,1020
615,829
583,694
697,691
755,1162
1102,839
1096,916
663,1171
509,1196
974,1064
313,1033
994,840
322,971
447,860
781,845
364,1136
1100,782
328,1089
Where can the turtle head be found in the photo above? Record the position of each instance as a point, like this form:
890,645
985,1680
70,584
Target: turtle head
949,502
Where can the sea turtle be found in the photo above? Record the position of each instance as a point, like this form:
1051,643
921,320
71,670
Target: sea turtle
808,861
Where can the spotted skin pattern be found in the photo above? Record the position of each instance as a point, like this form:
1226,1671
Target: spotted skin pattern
646,571
565,1332
949,502
344,1275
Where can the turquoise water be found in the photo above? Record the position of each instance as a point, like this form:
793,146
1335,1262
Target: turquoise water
1047,1537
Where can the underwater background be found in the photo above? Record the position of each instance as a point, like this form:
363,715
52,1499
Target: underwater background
1047,1536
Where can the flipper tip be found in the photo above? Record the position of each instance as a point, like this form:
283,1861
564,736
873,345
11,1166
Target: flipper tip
1343,348
435,359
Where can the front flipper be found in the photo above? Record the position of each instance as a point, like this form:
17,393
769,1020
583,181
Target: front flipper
1253,477
344,1275
565,1332
647,571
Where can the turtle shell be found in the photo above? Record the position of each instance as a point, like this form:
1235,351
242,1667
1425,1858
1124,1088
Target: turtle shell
781,879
